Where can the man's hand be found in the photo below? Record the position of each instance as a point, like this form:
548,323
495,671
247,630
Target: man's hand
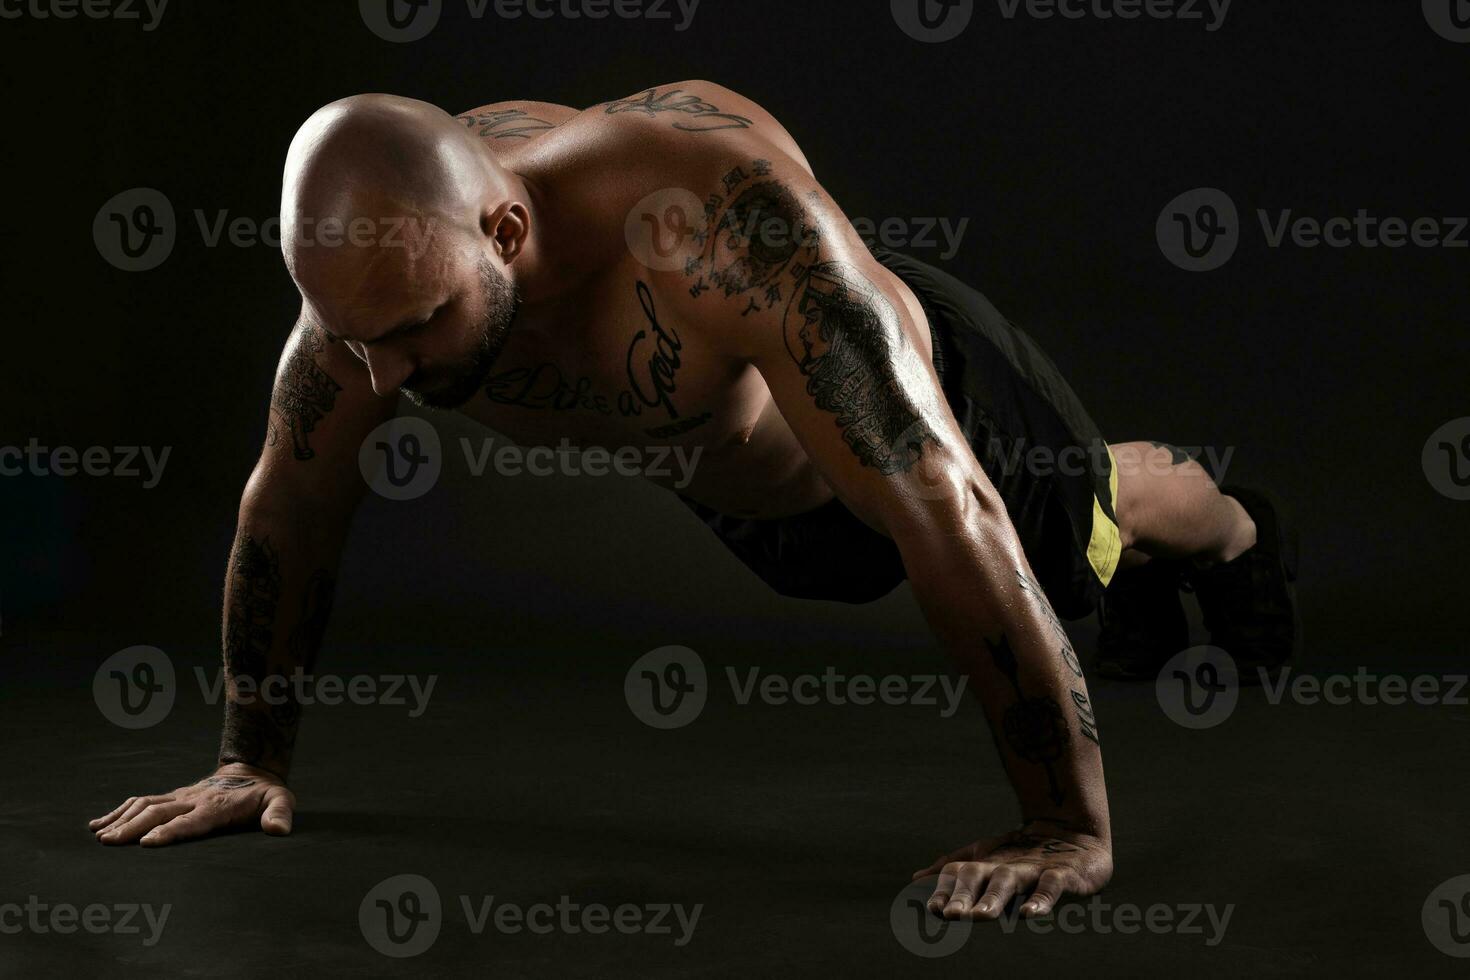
1041,860
235,796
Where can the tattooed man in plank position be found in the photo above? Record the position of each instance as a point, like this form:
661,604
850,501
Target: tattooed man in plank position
858,412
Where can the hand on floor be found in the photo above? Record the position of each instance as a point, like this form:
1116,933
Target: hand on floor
236,795
1041,861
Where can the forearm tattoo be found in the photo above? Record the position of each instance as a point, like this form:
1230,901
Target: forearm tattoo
1086,719
505,124
1034,727
759,246
262,731
690,113
305,393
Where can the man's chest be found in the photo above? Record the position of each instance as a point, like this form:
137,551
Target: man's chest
609,367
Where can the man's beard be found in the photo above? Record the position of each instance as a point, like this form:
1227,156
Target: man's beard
502,300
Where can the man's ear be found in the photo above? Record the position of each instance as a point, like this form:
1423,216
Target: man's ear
507,224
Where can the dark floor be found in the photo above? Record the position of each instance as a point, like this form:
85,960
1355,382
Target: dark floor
794,827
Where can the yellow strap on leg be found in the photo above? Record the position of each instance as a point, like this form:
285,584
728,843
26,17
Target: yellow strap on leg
1106,544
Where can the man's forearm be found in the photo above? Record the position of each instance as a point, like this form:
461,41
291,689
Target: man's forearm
278,597
980,597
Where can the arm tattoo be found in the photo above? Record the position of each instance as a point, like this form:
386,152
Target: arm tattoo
1086,720
1034,727
255,589
305,393
505,124
227,782
702,116
841,333
760,246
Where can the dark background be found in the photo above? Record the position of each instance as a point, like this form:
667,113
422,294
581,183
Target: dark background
1325,369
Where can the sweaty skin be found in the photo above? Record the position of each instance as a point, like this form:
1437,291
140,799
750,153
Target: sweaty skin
662,269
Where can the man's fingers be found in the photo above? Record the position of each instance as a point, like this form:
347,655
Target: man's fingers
1049,890
137,806
279,806
1003,885
187,826
145,820
969,880
103,821
943,888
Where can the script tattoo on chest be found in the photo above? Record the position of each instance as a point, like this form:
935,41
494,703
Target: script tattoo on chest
651,366
304,394
690,113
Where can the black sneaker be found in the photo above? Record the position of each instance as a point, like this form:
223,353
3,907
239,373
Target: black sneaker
1143,622
1249,603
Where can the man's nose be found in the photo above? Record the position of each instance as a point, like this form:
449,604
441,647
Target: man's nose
387,370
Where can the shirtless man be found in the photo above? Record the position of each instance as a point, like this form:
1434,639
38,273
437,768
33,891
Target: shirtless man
857,413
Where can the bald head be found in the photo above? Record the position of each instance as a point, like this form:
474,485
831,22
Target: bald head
393,215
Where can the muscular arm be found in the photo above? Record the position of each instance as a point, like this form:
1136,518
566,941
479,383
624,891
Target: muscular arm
776,277
293,519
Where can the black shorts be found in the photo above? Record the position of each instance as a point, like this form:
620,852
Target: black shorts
1030,434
